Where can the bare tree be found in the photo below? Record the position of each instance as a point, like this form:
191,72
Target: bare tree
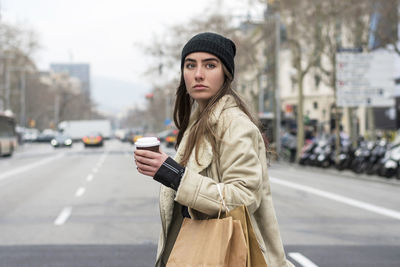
41,103
304,30
17,45
345,26
384,24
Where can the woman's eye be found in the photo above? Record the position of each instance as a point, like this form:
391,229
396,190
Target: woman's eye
190,66
210,66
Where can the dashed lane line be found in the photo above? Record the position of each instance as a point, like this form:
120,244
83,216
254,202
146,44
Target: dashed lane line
301,259
80,192
66,212
346,200
89,178
63,216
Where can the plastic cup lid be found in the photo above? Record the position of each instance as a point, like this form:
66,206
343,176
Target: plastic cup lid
147,142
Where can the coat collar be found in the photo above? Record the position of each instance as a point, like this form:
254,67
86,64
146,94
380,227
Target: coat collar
205,150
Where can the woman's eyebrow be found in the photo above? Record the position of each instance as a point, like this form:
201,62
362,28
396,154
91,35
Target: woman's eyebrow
203,60
210,59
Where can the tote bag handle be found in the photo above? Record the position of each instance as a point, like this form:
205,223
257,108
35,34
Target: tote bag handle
222,197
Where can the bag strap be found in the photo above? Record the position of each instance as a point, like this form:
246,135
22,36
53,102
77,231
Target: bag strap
222,198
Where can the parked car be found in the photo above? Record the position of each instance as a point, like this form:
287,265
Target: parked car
170,139
162,135
46,136
61,140
30,135
93,139
131,137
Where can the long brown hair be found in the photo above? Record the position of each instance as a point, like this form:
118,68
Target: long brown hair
202,128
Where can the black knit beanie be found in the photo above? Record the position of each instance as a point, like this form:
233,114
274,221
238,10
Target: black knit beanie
212,43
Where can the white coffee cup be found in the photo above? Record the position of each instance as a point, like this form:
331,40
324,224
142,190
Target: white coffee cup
148,143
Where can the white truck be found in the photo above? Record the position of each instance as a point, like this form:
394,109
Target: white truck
79,128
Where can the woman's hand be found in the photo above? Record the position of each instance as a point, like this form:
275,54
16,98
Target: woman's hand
148,162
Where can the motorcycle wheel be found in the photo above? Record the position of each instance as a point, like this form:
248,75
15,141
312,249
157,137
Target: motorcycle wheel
398,174
340,166
370,169
325,164
359,167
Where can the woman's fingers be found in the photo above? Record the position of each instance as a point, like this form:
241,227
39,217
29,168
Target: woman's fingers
150,157
143,160
148,162
145,167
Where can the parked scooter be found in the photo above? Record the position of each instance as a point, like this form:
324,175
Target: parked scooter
307,152
377,153
346,157
326,153
389,165
317,151
362,155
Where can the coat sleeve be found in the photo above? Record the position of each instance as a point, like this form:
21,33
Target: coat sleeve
240,170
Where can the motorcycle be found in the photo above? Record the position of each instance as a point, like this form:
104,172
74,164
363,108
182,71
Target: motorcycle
307,152
346,157
377,153
389,164
362,155
326,154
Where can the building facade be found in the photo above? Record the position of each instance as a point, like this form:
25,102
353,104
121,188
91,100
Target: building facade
79,71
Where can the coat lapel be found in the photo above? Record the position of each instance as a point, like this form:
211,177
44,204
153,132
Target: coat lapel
167,195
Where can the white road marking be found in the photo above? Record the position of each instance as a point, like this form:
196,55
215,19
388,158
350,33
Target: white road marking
89,178
100,162
80,191
302,260
346,200
103,157
63,216
28,167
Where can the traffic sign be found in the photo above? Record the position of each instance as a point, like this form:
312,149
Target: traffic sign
365,79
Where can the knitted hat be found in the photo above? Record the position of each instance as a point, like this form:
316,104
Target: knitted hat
214,44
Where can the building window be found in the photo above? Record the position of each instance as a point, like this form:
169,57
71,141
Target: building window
317,80
315,105
294,83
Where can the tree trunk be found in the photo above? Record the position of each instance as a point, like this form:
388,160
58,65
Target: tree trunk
371,123
300,117
337,133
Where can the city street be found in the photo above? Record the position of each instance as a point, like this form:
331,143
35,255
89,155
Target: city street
90,207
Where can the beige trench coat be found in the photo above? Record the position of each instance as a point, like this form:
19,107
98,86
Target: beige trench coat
241,170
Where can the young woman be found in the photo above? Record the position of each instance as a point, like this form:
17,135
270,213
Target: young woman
219,142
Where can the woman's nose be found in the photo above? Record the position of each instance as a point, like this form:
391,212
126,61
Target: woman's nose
199,74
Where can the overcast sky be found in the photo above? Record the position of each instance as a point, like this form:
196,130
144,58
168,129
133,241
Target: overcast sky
103,33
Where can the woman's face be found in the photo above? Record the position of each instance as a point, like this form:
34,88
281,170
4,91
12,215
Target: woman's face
203,76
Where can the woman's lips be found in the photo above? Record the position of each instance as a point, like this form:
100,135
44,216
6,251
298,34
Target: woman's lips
199,87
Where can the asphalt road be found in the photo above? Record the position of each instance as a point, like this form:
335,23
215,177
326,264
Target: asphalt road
89,207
